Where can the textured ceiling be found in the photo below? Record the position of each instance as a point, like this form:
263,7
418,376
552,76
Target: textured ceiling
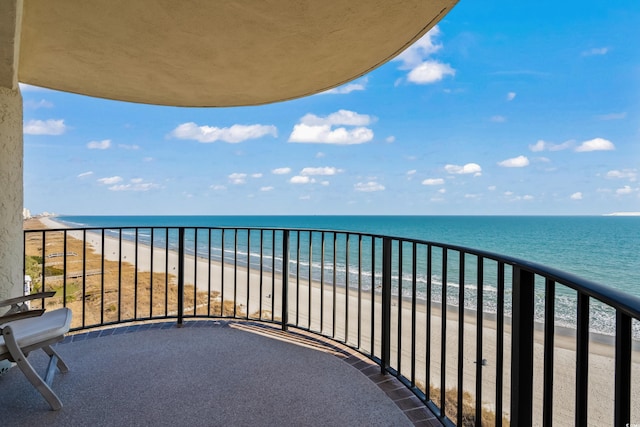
214,53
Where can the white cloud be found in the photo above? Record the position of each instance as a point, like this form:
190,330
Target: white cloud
110,180
129,147
34,105
305,197
324,183
498,119
99,145
612,116
315,129
84,174
508,193
256,175
281,171
548,146
430,72
320,171
421,49
492,188
233,134
416,59
516,162
136,184
237,178
596,144
596,51
630,174
368,186
442,191
433,181
340,117
348,88
324,135
624,190
576,196
511,96
269,188
320,155
44,127
527,197
473,168
298,179
218,187
390,139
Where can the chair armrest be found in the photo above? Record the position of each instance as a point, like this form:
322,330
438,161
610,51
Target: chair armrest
18,300
22,315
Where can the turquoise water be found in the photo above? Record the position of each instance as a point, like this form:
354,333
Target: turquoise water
601,249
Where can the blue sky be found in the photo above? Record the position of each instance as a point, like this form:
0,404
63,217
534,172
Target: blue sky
503,109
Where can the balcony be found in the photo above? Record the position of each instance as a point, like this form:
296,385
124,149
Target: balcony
377,298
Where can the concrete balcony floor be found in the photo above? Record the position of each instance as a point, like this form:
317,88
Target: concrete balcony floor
215,373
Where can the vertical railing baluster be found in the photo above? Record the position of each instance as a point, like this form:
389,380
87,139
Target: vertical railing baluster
479,334
64,269
273,273
622,396
333,282
195,270
499,343
443,334
180,275
522,347
346,289
322,283
310,282
285,279
235,272
261,272
373,295
135,275
549,338
582,360
209,232
102,292
427,361
359,317
248,270
84,276
399,330
151,275
166,272
414,274
222,232
386,305
44,262
119,274
461,278
297,278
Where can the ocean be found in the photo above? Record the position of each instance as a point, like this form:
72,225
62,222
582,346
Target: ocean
603,249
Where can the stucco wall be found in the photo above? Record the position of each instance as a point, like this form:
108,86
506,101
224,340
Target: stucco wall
11,193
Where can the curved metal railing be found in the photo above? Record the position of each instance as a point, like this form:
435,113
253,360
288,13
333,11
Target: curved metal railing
469,332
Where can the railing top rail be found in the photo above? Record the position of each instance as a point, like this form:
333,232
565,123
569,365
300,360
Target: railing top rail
626,303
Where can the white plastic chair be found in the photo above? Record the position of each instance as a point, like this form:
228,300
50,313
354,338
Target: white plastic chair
23,330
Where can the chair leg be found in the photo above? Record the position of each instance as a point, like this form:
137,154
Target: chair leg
33,377
60,363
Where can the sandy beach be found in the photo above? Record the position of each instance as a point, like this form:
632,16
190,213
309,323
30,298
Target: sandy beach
253,291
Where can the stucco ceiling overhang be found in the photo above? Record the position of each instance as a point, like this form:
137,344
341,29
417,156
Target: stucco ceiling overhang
214,53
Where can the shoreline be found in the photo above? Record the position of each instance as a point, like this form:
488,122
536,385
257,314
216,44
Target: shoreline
238,281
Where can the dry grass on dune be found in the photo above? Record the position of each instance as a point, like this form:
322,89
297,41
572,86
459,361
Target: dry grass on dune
126,295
